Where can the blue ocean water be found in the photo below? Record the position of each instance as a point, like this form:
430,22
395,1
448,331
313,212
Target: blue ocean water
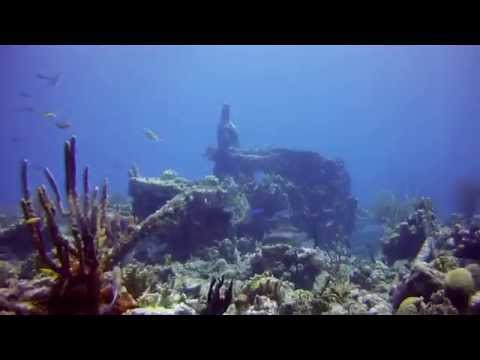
403,118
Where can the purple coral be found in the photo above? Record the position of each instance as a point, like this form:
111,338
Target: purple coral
78,287
216,304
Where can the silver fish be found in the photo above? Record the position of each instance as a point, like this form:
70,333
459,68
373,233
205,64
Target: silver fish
151,135
63,124
116,283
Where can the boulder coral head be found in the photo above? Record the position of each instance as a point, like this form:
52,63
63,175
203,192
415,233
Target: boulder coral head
459,287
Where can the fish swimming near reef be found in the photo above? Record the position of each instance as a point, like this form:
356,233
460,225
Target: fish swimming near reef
51,80
116,288
48,273
24,94
32,220
116,283
151,135
257,211
49,115
63,124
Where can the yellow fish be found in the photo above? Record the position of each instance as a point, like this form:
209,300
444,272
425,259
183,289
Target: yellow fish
33,220
49,115
101,237
48,273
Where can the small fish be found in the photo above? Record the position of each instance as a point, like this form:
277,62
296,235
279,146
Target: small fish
33,220
51,80
116,286
63,124
24,94
49,115
48,272
151,135
257,211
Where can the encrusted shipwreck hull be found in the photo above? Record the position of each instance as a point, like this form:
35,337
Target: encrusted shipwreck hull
150,194
313,190
189,221
304,168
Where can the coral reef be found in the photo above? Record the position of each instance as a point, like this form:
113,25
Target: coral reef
410,306
189,221
277,224
459,287
218,303
390,210
406,239
150,194
15,239
298,265
422,281
81,263
315,190
467,241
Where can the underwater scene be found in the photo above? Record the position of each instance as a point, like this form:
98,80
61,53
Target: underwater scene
239,180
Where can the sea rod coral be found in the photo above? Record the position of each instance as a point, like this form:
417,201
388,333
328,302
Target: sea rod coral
80,264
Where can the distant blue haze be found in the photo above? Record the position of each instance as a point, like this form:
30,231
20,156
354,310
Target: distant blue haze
403,118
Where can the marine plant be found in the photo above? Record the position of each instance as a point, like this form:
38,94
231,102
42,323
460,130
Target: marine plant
78,265
163,296
138,278
264,285
390,209
134,171
217,303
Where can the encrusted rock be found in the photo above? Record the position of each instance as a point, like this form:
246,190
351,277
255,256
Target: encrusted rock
179,309
262,305
423,281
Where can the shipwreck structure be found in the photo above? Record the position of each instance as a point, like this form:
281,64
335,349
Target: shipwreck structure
317,189
299,190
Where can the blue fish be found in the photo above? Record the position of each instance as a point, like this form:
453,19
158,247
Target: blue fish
257,211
